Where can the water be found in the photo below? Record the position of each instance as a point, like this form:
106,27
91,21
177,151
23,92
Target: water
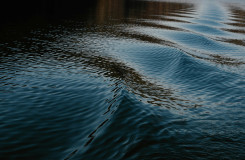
126,80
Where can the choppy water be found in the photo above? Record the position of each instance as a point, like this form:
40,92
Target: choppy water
126,80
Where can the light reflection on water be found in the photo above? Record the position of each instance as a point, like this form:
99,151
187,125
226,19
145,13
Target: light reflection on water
126,80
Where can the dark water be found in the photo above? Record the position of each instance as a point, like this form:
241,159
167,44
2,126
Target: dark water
126,80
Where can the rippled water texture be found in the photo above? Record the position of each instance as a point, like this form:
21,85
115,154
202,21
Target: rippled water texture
127,80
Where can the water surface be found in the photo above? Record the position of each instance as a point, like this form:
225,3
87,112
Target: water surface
125,80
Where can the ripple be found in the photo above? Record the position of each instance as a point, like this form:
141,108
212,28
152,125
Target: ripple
130,80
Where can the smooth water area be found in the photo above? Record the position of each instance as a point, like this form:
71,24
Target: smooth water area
126,80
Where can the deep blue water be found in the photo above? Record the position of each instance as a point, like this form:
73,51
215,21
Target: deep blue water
126,80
